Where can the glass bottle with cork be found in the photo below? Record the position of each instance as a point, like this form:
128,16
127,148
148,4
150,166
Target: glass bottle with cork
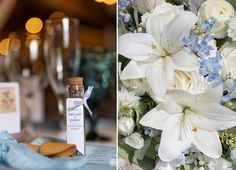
75,114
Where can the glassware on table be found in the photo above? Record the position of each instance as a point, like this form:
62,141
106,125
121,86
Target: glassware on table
24,64
62,56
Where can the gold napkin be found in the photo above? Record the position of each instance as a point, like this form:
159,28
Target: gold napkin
54,149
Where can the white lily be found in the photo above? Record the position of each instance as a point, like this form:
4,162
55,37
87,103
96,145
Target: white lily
144,6
157,53
187,119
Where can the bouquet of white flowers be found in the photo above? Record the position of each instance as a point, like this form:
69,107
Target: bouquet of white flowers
177,72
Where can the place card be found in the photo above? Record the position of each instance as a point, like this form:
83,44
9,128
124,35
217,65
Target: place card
9,107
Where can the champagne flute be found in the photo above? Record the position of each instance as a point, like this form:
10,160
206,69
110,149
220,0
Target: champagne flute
62,56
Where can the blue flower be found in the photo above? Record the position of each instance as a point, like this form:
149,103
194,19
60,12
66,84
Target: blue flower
148,131
191,42
122,4
208,24
210,68
198,46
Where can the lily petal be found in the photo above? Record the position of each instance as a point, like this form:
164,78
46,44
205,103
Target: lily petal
155,118
174,139
170,106
212,116
176,30
156,24
180,97
211,124
215,95
134,70
137,47
159,75
169,71
185,60
208,143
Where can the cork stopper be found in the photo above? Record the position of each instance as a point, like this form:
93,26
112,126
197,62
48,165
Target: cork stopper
75,81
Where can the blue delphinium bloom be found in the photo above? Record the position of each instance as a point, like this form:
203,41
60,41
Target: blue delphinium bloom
200,47
122,4
148,131
125,16
208,24
210,67
192,43
204,47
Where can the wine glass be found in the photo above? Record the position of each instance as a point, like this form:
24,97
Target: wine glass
62,56
24,64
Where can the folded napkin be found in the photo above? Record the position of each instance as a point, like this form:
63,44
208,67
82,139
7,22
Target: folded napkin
54,149
20,156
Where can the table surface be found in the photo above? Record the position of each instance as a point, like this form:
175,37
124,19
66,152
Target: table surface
98,156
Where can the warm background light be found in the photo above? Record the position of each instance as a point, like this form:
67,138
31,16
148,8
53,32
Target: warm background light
4,45
34,25
110,2
99,0
107,2
57,14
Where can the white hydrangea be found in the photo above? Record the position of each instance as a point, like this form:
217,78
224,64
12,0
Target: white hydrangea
232,29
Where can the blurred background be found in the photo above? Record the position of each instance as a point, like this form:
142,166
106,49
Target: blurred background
91,55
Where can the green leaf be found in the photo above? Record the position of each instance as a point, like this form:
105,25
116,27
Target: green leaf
140,153
122,27
127,153
231,104
151,152
187,167
136,16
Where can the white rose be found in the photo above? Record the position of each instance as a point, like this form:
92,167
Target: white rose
125,126
228,53
189,81
221,10
135,140
166,9
144,6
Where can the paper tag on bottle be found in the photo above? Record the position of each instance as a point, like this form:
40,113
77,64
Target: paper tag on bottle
75,124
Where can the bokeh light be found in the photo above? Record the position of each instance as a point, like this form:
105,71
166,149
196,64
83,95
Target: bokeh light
34,25
4,45
99,0
110,2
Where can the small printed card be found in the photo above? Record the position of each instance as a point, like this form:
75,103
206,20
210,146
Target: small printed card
75,124
9,107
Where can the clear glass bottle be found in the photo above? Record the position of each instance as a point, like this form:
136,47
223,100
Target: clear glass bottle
75,114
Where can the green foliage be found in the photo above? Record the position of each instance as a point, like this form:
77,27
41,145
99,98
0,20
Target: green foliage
231,104
233,2
144,160
228,141
146,104
123,60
